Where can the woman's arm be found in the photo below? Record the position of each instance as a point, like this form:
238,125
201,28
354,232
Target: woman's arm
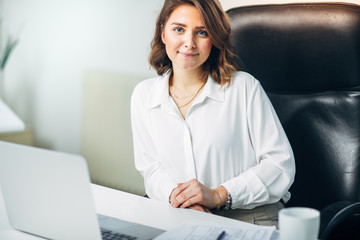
158,183
271,178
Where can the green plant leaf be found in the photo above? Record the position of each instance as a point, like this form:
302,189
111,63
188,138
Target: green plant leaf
10,45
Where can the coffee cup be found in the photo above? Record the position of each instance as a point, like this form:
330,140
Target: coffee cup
299,223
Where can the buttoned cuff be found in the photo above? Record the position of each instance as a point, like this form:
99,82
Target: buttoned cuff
246,190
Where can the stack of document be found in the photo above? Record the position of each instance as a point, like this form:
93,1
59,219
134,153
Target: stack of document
216,232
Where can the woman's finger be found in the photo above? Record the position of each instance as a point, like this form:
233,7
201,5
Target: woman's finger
183,196
193,192
190,201
199,208
176,191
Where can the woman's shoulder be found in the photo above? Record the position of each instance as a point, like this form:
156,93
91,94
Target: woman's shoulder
145,84
143,88
150,90
244,79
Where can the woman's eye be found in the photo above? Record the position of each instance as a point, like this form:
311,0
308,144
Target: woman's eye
178,30
203,33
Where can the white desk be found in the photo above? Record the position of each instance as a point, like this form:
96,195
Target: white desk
132,208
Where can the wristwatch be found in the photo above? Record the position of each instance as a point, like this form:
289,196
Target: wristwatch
228,201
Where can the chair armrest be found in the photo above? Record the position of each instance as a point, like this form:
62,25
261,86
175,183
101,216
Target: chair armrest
340,220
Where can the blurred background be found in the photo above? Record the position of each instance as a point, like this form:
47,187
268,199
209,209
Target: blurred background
58,41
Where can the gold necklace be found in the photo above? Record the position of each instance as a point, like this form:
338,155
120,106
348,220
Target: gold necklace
173,95
192,97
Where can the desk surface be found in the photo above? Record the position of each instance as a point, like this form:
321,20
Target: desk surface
132,208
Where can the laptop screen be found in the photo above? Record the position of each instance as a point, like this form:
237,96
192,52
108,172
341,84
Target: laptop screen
47,193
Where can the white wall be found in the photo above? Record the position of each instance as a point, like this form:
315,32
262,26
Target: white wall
1,7
59,39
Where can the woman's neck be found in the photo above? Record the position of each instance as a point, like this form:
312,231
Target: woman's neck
187,80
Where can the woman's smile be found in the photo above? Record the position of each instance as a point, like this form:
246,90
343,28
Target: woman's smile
188,55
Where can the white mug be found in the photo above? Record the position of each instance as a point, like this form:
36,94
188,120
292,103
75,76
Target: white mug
299,223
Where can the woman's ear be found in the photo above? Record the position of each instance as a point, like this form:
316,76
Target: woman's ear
162,34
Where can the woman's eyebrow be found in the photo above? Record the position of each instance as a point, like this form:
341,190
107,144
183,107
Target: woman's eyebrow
179,24
184,25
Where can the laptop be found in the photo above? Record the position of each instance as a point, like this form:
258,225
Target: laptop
48,194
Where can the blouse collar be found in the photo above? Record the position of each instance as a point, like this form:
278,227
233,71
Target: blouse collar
159,92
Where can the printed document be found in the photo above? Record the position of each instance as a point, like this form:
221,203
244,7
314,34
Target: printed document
215,232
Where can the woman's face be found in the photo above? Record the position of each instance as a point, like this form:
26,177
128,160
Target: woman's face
186,39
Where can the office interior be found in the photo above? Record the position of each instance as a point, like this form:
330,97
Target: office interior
70,77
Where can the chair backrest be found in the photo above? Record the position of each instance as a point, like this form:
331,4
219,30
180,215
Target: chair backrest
307,58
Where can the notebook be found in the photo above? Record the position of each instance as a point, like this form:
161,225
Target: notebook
48,194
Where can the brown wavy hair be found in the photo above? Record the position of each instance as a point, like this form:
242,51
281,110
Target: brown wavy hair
221,63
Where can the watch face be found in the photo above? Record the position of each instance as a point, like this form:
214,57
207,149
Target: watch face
228,201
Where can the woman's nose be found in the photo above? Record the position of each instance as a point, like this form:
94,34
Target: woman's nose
190,41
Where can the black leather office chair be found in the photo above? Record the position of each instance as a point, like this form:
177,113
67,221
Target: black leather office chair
307,58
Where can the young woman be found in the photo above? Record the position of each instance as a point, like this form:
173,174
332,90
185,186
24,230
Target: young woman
205,135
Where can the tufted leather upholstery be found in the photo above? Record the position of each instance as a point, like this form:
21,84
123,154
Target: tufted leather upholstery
307,58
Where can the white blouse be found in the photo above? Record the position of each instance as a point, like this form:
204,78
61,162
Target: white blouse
231,137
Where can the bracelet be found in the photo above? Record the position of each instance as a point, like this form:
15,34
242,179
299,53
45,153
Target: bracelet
228,201
219,204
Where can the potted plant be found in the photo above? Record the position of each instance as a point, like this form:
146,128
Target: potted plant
7,45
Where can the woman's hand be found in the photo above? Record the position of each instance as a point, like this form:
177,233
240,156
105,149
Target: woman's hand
193,193
200,208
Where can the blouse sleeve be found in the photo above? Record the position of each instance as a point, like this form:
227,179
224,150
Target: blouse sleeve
269,180
158,183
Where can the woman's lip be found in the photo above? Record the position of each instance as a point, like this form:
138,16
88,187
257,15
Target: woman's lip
188,54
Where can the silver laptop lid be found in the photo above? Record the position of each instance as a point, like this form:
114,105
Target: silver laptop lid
47,193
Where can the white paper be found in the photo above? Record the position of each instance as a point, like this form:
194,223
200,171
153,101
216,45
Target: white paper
212,232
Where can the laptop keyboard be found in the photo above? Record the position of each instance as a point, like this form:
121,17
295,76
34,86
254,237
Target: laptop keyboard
110,235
